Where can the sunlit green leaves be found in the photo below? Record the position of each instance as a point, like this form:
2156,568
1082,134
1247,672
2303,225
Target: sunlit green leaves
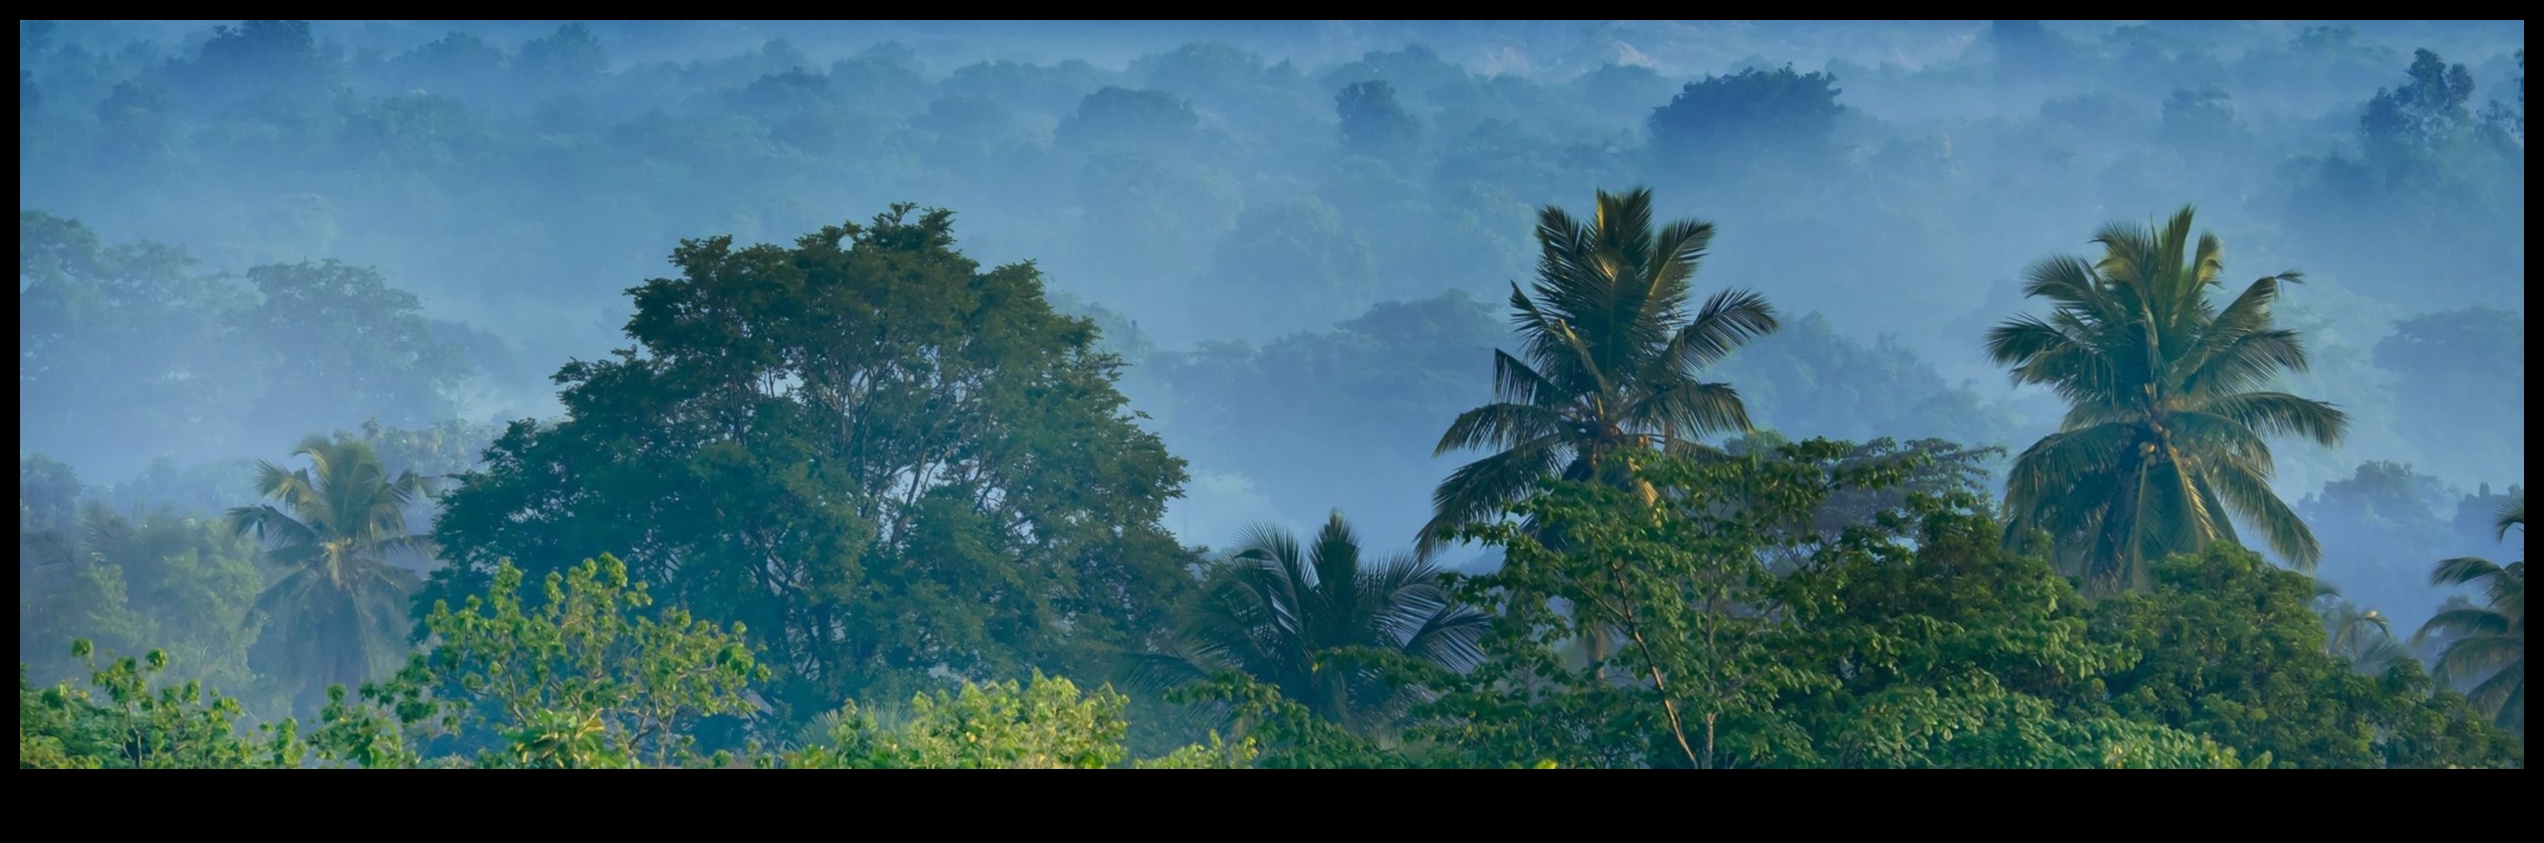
1043,724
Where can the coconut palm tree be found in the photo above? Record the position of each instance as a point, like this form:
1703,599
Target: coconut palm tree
1281,611
2490,639
340,608
2363,636
2162,448
1608,366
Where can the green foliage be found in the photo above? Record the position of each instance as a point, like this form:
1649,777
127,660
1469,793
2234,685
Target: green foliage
1044,724
1678,579
1276,732
586,678
880,457
165,579
1915,640
121,721
128,583
1950,651
2162,448
1934,468
378,729
2229,647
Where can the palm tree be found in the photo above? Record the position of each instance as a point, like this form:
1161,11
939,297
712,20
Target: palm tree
2363,636
340,609
1611,358
1281,611
2161,450
2490,639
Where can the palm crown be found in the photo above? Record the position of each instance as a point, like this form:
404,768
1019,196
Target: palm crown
1609,361
340,609
2162,448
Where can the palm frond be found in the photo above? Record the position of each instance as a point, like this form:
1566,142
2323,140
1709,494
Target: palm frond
2512,514
1476,489
2249,493
1514,381
2466,570
1729,320
1500,425
2280,414
1691,410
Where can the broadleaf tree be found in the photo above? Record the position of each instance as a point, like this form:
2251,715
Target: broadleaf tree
881,457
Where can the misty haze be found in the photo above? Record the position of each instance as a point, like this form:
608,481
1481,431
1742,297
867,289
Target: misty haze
1292,394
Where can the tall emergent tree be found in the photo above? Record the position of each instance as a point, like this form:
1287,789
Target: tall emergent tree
340,611
2490,639
1285,613
1611,357
879,457
2162,447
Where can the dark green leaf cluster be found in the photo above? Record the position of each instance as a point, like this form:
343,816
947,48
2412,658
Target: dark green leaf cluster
883,458
1912,638
2229,647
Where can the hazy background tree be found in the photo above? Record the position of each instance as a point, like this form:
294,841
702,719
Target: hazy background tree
1948,144
337,530
1375,124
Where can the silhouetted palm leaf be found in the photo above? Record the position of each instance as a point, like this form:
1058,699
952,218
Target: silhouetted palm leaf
2487,642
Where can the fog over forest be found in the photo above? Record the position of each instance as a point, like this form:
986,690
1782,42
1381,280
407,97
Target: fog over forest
1301,240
